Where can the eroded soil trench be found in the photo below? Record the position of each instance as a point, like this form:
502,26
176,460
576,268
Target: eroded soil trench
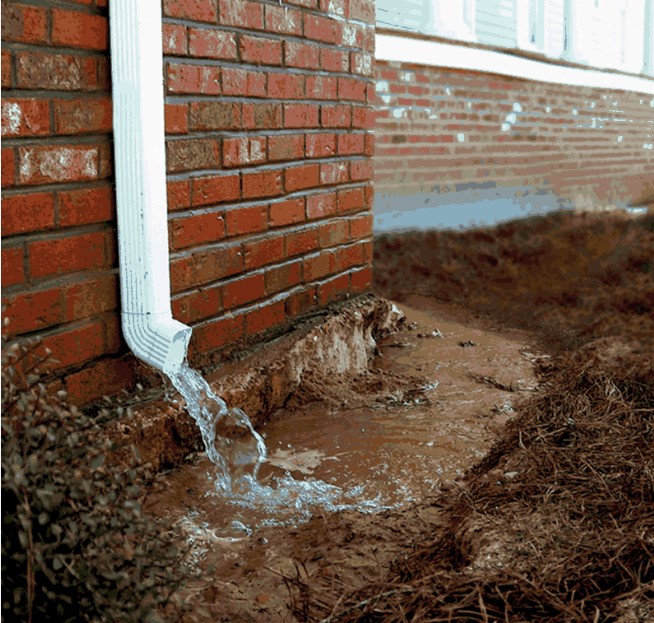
439,391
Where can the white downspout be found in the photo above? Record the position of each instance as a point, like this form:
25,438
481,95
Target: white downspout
140,173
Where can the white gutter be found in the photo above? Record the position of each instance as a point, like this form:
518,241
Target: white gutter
140,172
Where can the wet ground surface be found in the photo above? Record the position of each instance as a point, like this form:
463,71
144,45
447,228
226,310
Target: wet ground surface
386,453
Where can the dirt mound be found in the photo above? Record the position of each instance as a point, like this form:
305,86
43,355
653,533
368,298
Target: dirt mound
572,277
556,523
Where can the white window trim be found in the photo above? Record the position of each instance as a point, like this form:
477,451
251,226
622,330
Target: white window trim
450,55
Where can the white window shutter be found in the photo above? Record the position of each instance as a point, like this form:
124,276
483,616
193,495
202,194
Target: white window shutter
403,14
554,28
497,22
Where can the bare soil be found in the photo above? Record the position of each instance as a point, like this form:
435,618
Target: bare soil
529,468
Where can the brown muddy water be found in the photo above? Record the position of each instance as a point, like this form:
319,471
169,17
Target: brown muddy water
386,451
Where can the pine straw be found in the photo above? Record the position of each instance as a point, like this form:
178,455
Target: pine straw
556,523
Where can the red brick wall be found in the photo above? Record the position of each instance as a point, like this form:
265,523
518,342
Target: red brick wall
440,130
268,150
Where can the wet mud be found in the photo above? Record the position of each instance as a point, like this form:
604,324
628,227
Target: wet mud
509,425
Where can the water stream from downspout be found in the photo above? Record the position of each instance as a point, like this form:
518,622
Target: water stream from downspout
237,451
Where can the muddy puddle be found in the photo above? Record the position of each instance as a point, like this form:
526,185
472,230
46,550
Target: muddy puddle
387,451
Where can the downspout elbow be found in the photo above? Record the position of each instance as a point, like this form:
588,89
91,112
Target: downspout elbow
140,171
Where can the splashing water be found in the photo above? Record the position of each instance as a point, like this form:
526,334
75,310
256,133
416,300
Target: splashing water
238,451
231,442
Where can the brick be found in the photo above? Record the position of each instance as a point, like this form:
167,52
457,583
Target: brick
242,14
335,7
320,145
205,267
264,318
179,194
81,116
333,289
300,242
263,251
283,277
176,118
286,212
321,28
102,378
369,147
301,177
196,229
283,20
347,257
301,302
262,184
309,4
301,54
90,297
361,170
198,305
320,206
66,255
349,144
362,63
243,82
74,345
62,72
322,87
243,290
337,116
361,279
27,213
244,151
334,60
6,69
361,226
24,24
333,233
260,50
363,117
352,35
75,29
192,154
8,167
215,189
363,10
52,164
266,116
211,43
197,10
175,39
352,89
214,115
32,311
247,220
301,115
219,333
319,266
200,79
285,86
285,147
13,267
85,206
25,117
334,173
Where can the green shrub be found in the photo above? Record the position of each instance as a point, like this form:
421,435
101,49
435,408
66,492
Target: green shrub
75,544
